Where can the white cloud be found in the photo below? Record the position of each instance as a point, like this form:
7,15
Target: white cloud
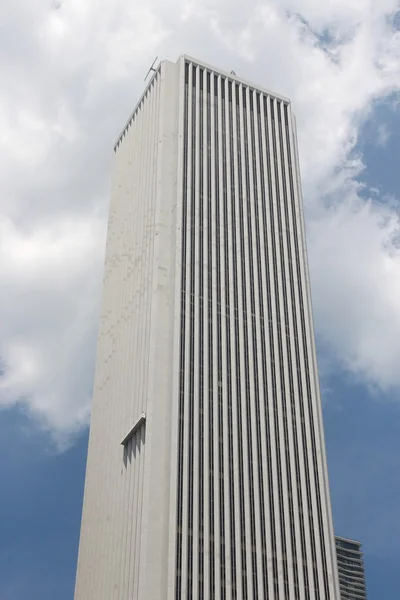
356,292
49,300
382,135
71,73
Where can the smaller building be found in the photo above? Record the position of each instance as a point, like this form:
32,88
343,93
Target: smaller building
351,569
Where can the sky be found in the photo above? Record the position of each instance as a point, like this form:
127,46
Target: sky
71,73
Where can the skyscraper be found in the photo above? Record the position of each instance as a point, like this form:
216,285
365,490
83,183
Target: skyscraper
351,569
206,474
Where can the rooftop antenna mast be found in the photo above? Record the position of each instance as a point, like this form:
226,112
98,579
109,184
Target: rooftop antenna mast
151,68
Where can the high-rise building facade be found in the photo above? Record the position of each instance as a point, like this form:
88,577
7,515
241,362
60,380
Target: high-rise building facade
351,569
206,474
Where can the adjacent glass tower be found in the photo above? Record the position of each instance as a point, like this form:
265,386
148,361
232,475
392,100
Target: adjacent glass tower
351,569
206,475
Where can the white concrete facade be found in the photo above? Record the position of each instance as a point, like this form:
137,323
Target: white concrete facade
206,367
